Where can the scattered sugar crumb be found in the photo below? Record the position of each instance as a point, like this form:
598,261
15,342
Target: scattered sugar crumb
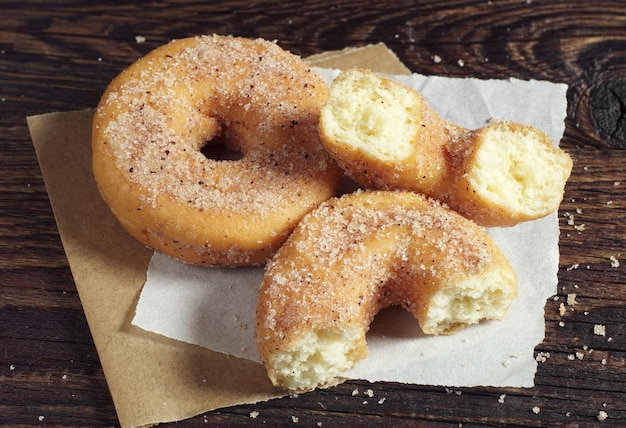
571,357
536,410
609,202
614,262
41,418
436,59
506,363
364,402
294,419
369,393
580,227
254,414
580,355
501,398
542,357
140,39
599,330
602,415
355,392
571,299
617,183
573,267
603,362
562,309
382,400
319,424
461,63
64,377
579,210
11,367
609,339
561,324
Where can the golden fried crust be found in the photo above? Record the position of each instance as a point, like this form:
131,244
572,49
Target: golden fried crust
157,115
359,253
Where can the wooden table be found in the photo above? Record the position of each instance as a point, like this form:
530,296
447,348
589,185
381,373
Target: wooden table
57,57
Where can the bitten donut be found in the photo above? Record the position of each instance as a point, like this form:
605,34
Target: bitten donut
248,95
364,251
386,136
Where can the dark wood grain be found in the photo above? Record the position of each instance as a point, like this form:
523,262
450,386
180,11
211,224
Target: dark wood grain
60,56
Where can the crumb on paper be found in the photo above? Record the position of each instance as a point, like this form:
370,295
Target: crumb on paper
254,414
614,261
140,39
536,410
599,330
501,398
602,415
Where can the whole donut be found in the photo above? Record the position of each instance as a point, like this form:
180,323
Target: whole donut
359,253
249,95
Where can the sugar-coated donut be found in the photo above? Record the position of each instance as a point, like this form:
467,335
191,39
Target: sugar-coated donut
386,136
364,251
249,95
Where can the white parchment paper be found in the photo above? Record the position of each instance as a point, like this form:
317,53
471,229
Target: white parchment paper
215,308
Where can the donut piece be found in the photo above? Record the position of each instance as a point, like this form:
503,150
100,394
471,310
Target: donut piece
362,252
248,95
386,136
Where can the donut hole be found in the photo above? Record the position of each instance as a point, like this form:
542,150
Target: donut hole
220,148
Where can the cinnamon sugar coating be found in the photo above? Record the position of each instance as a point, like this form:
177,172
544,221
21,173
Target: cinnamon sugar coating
362,252
251,96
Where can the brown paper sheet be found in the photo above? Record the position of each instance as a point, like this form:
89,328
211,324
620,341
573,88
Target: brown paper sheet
152,379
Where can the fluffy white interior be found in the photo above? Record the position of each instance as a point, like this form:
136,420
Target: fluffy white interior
317,358
479,297
371,115
518,170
